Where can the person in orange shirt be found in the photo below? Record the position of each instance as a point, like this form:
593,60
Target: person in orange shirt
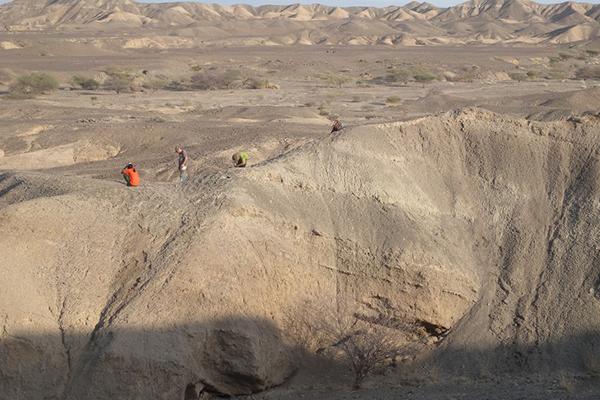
131,175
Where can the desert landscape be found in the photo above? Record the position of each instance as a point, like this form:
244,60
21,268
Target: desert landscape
445,244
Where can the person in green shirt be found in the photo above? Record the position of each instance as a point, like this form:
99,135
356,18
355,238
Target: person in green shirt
240,159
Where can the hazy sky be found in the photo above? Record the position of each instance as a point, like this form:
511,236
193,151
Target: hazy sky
377,3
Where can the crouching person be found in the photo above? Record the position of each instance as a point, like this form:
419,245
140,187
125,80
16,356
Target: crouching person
132,177
240,159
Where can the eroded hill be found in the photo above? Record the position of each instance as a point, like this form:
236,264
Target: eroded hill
479,225
196,24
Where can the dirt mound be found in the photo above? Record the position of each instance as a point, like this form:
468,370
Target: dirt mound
473,224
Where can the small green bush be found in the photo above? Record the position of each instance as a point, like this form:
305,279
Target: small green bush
85,83
531,74
33,84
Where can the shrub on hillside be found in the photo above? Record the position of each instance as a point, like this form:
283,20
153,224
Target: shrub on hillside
33,84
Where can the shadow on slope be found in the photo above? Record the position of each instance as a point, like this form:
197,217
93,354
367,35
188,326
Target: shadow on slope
241,355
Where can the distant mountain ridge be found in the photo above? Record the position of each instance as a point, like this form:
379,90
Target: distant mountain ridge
483,21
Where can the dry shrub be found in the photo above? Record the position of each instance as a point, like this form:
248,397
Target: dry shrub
212,80
6,75
566,56
85,83
424,75
118,80
567,383
517,76
531,74
364,343
591,364
556,74
334,80
117,83
468,73
28,86
176,86
554,60
588,72
398,75
393,100
404,75
257,83
155,84
322,110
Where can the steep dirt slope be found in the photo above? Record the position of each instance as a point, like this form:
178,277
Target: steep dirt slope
473,224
